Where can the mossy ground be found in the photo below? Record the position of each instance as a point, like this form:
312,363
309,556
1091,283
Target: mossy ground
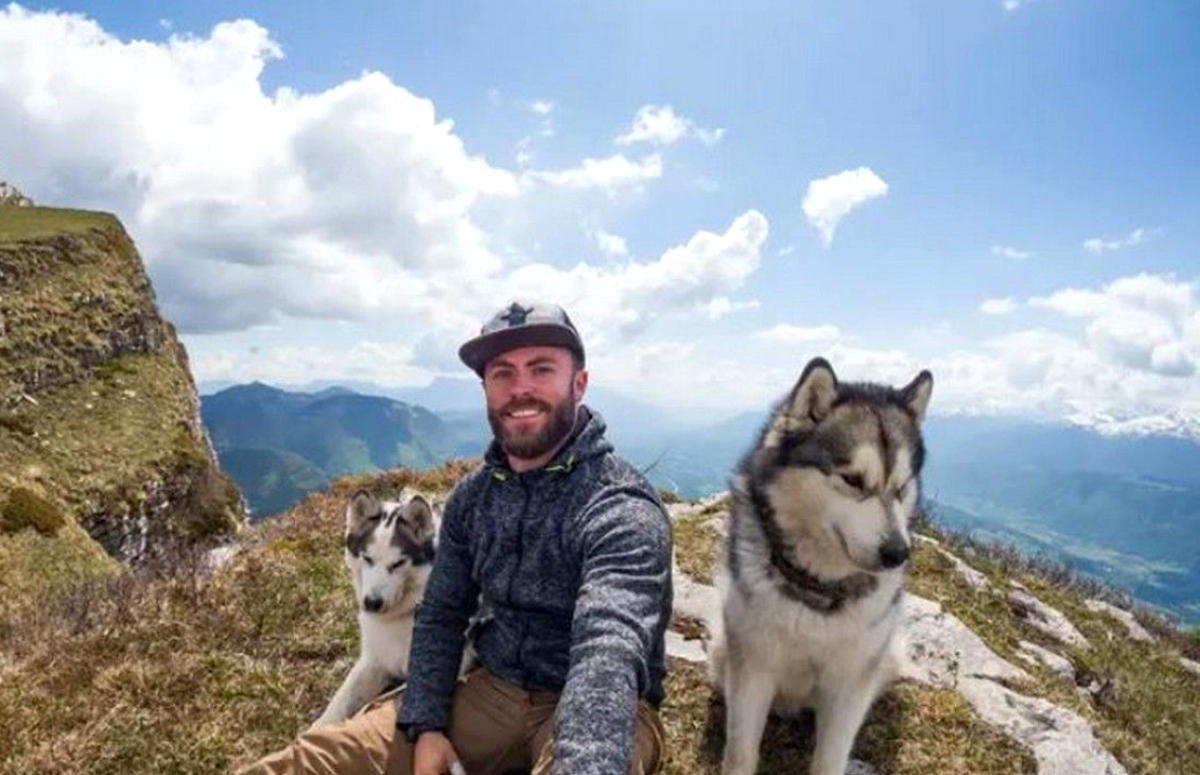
26,223
96,443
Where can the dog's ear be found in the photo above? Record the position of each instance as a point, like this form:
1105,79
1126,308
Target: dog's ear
810,401
916,394
418,514
363,507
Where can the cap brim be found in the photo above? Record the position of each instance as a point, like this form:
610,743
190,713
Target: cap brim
478,351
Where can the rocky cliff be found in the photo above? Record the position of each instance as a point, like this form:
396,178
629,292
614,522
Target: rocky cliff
99,417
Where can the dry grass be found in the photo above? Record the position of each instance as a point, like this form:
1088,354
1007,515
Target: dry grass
912,730
698,544
169,670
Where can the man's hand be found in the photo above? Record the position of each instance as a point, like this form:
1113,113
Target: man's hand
435,756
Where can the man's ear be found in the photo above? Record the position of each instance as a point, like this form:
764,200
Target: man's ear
581,382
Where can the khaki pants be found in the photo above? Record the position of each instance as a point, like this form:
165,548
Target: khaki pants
495,727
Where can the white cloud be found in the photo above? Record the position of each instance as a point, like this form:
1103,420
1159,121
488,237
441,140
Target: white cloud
1145,322
616,171
610,244
624,300
660,125
998,306
720,306
247,205
1007,251
830,199
1098,245
541,107
383,363
786,250
788,334
1011,6
707,185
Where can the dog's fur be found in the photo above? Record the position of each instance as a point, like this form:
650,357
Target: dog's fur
815,563
389,552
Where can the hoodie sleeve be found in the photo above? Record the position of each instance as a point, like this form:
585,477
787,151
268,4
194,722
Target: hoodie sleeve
451,598
624,597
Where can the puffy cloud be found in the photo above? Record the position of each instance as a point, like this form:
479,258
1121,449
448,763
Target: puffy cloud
612,172
661,125
247,205
626,299
1098,245
787,334
720,306
610,244
1147,322
830,199
1007,251
998,306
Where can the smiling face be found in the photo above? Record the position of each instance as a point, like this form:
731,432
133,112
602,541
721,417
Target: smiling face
532,396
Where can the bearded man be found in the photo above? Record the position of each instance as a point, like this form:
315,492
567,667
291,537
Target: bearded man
568,549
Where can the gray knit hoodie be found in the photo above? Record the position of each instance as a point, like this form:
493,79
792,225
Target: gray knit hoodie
574,562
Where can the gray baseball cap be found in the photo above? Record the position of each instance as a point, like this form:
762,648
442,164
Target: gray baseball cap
521,324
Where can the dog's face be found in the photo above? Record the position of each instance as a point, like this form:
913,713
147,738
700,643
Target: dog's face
389,551
843,462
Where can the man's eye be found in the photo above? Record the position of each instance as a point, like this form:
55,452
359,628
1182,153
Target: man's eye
854,481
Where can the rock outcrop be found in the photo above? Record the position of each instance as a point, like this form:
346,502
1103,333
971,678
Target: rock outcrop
11,196
98,411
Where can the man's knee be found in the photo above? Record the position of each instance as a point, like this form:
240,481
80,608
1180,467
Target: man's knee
366,744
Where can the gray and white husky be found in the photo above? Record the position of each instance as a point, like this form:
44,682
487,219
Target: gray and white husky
815,562
389,552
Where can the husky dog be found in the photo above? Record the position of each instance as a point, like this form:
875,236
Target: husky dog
389,551
818,542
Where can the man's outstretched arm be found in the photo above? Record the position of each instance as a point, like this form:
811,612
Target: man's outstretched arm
620,615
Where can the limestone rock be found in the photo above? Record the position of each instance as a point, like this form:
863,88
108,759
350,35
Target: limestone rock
1057,663
1136,631
944,652
1045,618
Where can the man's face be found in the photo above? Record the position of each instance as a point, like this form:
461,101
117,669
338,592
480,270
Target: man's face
532,393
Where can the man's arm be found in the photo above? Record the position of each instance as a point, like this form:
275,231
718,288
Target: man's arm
451,597
624,594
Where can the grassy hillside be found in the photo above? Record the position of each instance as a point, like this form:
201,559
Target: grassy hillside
99,417
176,670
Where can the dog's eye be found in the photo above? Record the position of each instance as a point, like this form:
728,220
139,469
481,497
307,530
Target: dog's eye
397,564
368,561
854,481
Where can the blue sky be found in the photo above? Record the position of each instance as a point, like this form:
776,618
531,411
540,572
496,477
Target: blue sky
1011,190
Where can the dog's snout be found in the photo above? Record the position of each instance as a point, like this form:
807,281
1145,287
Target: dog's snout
372,604
894,552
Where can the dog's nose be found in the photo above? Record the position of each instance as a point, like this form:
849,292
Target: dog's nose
894,553
373,604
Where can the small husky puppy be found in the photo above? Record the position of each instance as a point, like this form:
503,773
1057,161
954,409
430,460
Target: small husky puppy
389,551
815,563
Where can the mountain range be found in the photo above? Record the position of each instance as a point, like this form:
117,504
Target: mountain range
1123,508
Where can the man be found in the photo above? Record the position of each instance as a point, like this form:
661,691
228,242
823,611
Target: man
569,550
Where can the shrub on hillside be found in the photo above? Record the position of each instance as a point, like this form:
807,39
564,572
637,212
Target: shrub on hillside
25,508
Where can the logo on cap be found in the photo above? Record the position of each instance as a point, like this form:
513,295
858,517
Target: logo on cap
516,315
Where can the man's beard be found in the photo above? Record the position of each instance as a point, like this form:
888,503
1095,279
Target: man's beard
560,422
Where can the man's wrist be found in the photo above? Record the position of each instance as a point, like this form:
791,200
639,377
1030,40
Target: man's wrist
413,731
